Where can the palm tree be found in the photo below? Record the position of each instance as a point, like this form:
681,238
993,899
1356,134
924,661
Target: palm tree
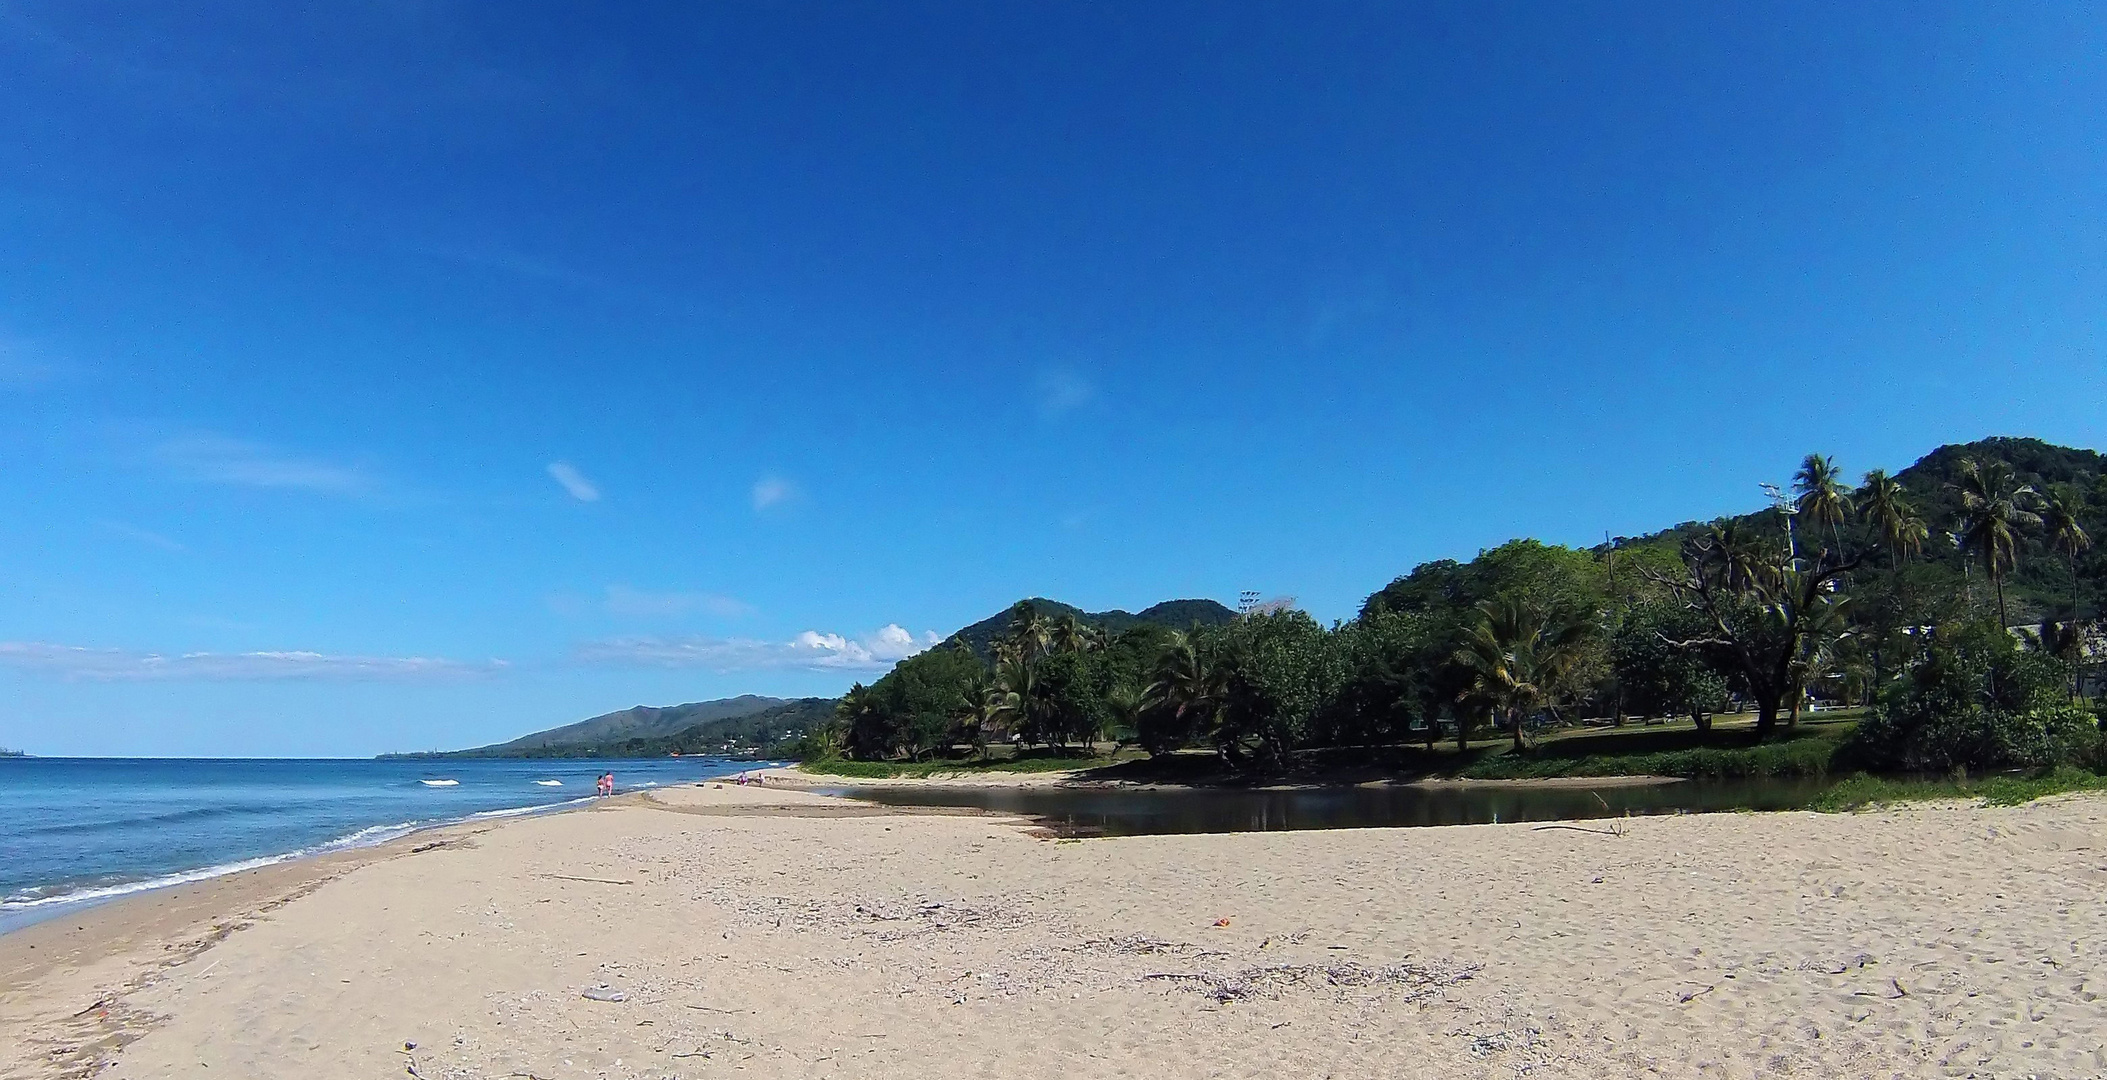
1020,699
1517,655
857,714
1070,634
1031,633
2059,522
1995,508
980,709
1185,684
1823,498
1886,506
1125,704
1738,559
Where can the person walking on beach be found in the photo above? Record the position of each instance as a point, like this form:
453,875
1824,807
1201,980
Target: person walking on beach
606,784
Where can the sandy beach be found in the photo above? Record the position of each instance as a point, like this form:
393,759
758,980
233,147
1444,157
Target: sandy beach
719,930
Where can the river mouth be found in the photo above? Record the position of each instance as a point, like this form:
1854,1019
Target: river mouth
1140,812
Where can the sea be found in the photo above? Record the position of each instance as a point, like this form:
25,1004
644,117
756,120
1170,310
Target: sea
78,831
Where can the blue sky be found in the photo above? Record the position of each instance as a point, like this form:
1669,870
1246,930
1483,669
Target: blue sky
403,375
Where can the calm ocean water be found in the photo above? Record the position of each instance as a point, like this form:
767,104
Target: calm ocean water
77,830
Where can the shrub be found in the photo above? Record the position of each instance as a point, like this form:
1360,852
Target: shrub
1974,700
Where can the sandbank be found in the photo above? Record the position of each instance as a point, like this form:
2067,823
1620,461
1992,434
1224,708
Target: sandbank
718,930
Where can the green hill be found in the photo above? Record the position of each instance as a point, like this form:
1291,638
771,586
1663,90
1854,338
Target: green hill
1176,614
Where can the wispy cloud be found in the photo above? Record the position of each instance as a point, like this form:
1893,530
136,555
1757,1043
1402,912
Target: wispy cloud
217,459
813,650
133,532
773,491
123,665
573,481
1062,391
623,600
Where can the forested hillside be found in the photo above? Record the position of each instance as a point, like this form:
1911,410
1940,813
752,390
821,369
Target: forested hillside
1172,614
1891,590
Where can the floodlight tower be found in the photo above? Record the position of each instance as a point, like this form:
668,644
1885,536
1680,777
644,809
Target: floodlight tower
1783,503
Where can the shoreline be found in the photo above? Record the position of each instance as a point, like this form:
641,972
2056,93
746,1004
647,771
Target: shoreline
16,916
682,929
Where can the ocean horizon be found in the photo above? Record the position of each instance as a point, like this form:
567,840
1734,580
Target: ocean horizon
88,830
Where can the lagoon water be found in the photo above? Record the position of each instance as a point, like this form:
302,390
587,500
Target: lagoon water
1084,811
77,830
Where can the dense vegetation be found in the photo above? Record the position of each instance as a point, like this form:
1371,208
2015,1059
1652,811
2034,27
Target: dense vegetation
1949,600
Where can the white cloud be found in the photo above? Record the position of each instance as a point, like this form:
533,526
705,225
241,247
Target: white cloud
216,459
813,650
1062,390
123,665
623,600
573,481
771,491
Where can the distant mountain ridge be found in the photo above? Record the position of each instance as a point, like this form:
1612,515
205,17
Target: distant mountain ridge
635,722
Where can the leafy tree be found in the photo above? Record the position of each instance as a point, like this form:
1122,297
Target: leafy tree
1389,669
1658,677
1519,654
1277,671
1072,688
1772,622
1995,508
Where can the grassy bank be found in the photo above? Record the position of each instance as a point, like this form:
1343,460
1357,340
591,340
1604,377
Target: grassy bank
1686,752
921,770
1861,791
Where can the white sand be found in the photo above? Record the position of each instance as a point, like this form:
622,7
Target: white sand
749,935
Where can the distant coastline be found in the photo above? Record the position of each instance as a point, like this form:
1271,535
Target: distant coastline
5,752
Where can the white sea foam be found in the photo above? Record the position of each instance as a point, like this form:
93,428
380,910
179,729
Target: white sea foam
517,811
440,783
366,837
548,783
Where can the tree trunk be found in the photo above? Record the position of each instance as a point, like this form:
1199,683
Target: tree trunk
1702,719
2077,640
1517,713
1766,715
2004,621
